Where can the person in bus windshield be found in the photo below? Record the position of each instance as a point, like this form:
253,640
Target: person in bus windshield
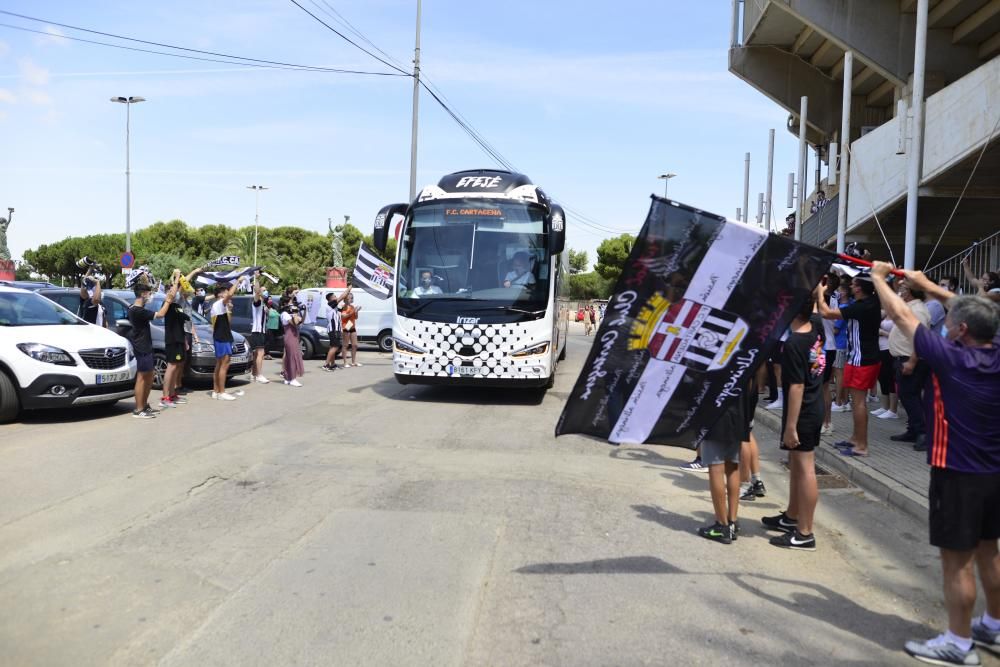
519,275
426,286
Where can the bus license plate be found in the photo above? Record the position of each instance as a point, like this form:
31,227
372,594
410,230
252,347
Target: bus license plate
110,378
467,370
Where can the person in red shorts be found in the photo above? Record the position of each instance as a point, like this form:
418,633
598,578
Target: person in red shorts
861,371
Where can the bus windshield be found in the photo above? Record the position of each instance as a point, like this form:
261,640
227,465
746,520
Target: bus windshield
469,255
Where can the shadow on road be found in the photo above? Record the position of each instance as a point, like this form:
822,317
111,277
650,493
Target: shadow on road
466,395
627,565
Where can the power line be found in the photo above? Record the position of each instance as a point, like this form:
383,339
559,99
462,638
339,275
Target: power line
233,60
349,40
340,18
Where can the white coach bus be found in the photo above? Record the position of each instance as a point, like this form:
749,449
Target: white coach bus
481,280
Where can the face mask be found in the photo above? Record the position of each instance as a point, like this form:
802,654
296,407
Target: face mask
426,282
341,305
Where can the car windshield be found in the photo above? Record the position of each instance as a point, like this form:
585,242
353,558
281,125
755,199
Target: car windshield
473,255
20,309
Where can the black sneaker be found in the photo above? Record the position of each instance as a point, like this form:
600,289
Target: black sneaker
717,532
780,522
143,414
795,540
754,491
734,530
906,436
921,444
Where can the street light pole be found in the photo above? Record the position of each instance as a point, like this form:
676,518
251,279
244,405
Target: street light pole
666,182
128,102
256,216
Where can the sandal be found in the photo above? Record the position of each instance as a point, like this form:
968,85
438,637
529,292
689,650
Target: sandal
853,452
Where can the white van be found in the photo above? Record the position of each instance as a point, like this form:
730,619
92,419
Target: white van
374,319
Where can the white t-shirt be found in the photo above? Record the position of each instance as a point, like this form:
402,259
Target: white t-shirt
886,326
286,318
420,290
259,324
331,315
831,339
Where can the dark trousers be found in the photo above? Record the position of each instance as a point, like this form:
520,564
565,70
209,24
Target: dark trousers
910,390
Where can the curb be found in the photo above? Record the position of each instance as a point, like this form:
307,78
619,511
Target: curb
872,481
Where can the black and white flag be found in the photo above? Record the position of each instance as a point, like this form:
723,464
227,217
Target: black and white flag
372,274
213,277
226,260
700,304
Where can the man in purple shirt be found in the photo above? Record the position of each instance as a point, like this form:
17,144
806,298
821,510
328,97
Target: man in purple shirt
964,454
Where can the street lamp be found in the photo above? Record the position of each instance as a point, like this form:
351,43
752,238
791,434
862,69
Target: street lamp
128,102
256,216
666,182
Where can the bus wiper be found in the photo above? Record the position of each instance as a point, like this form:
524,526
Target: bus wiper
426,302
512,309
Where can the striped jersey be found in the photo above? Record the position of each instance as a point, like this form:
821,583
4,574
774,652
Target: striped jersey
863,318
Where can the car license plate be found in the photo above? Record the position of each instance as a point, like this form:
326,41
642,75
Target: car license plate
109,378
467,370
241,358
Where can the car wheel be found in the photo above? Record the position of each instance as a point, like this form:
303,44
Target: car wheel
385,341
159,369
562,355
10,406
307,347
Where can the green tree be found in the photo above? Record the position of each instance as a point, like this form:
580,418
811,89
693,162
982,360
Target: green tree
589,286
578,261
612,255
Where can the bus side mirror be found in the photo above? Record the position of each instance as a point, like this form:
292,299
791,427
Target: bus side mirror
557,230
382,221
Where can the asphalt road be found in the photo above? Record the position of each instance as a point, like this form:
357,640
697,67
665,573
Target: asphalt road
355,521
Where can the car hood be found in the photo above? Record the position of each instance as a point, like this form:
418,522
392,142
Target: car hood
69,337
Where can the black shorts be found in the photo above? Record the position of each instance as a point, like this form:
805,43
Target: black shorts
831,358
257,340
964,509
749,399
174,352
335,339
144,362
808,439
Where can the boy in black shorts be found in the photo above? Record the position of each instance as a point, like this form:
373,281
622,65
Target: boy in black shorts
802,362
142,345
175,345
720,452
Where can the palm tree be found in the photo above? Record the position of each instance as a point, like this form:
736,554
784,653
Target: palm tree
243,245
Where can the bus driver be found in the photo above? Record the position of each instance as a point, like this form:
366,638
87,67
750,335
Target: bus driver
426,285
519,275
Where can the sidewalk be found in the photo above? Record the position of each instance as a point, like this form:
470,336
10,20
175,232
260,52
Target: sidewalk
892,472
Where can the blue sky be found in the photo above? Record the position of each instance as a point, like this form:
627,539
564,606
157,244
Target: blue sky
591,100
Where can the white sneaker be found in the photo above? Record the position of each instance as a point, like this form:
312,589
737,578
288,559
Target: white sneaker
239,392
878,411
826,430
214,396
846,407
295,383
888,414
359,364
873,399
262,380
226,397
776,405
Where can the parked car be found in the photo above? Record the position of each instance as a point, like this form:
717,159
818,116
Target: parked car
50,358
314,340
202,361
374,319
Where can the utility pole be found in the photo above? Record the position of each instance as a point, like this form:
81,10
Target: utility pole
770,180
915,159
746,189
416,106
803,156
128,102
256,216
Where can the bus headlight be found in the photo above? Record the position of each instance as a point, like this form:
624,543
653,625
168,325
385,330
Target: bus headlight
403,346
541,348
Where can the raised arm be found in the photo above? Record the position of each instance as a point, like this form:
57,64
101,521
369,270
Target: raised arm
171,293
822,307
191,276
894,307
83,285
970,276
344,295
257,294
918,280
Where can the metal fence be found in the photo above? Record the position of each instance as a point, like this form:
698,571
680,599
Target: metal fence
984,255
821,226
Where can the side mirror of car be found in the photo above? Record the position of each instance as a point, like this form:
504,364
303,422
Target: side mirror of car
123,324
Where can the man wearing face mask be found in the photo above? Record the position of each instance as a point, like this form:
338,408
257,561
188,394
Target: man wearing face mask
142,345
331,313
426,286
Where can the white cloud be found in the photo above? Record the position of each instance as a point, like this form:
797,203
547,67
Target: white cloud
39,97
4,48
32,73
54,40
7,96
